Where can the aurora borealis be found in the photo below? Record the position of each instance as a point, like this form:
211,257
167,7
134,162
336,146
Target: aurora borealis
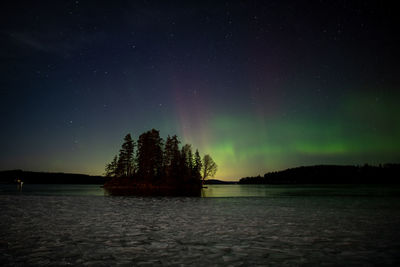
259,85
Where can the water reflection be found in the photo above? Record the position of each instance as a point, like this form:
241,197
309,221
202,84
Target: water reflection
236,191
52,190
213,191
299,190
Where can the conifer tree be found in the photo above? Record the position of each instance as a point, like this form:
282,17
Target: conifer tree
172,158
197,165
186,161
150,155
111,168
126,160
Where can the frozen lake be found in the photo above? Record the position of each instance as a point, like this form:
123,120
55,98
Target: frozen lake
236,225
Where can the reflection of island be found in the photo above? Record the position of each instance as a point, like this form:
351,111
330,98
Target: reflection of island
331,174
151,166
130,186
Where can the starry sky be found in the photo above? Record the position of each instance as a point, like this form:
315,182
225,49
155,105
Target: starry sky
259,85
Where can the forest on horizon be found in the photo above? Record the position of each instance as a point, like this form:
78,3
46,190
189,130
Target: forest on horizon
330,174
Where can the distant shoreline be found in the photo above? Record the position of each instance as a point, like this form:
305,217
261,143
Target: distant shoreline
29,177
330,174
304,175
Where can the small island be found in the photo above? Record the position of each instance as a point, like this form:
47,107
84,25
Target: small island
152,167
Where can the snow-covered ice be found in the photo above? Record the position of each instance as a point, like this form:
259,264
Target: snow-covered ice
59,230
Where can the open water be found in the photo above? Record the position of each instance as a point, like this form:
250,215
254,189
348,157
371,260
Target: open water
233,225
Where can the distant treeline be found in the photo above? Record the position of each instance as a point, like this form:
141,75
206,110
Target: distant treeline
49,178
331,174
214,181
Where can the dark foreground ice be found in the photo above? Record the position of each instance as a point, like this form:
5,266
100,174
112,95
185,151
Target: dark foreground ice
112,231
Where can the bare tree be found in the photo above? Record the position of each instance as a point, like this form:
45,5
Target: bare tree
209,168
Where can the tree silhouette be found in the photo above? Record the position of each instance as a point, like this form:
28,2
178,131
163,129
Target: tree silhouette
172,158
158,168
186,164
125,166
209,167
197,165
111,168
150,155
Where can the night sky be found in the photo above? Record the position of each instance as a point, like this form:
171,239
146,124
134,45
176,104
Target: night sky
259,85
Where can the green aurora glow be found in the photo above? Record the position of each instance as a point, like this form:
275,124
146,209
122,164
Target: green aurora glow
362,131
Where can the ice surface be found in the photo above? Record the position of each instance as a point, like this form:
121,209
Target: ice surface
131,231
